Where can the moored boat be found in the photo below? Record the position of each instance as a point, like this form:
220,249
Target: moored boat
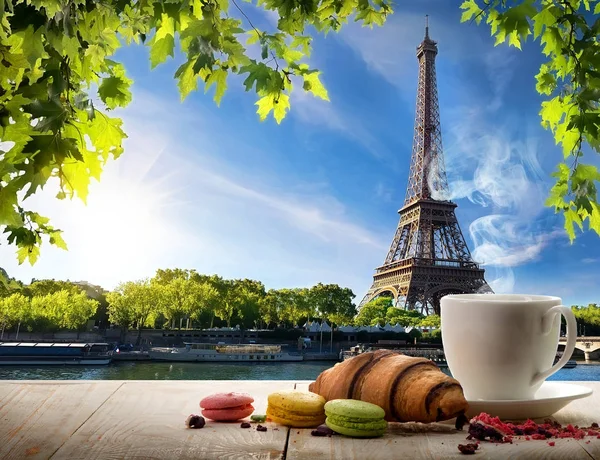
210,352
39,353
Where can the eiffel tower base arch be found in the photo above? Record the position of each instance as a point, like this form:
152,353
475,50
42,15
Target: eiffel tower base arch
425,287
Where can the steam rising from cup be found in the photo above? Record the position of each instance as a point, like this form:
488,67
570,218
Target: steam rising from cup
507,178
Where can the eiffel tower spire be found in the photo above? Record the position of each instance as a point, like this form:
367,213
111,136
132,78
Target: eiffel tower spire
428,257
427,177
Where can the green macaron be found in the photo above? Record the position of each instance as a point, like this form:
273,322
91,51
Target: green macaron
355,418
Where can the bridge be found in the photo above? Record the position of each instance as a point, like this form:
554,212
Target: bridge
586,344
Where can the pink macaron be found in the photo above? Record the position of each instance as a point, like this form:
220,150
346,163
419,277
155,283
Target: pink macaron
227,407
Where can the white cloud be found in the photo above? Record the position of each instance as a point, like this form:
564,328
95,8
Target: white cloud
333,116
590,260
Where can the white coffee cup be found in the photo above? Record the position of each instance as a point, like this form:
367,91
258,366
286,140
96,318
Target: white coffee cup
502,346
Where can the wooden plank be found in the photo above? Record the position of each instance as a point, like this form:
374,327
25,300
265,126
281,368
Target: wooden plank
145,419
440,440
37,417
584,412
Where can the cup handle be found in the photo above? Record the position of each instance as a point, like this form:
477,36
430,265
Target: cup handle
547,321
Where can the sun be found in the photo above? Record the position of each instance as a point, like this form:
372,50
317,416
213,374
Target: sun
122,231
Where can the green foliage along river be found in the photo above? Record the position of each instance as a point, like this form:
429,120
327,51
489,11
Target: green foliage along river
213,371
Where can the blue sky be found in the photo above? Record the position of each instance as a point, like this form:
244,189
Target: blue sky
315,198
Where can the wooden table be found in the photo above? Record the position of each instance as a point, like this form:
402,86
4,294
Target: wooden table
145,420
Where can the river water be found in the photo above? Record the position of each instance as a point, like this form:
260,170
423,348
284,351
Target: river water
214,371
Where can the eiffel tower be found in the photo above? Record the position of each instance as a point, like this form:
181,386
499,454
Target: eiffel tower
428,257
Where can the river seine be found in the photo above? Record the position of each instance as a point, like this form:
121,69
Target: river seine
213,371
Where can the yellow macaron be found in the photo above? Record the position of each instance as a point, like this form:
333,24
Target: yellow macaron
299,409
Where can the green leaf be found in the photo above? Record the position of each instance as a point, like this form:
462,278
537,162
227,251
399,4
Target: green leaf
218,76
167,27
314,85
57,240
370,16
8,203
52,114
552,41
187,79
257,73
471,10
542,20
546,82
30,253
303,43
514,40
552,112
106,135
597,8
96,54
281,106
161,49
595,218
75,178
114,91
265,105
254,36
572,218
569,138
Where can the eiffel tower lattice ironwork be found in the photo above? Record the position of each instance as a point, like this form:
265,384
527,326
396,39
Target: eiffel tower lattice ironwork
428,257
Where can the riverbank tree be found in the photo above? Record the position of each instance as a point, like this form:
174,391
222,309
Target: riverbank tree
58,310
380,311
588,318
133,304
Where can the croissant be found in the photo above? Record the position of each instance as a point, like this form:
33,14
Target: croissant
408,389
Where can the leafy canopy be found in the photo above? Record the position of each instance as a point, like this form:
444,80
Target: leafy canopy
568,32
588,315
57,59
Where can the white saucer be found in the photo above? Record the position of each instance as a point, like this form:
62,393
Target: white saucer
550,398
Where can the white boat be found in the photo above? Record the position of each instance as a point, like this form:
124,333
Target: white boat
210,352
63,354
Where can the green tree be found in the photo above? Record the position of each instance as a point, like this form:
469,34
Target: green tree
229,300
589,314
415,334
294,305
251,293
14,309
44,287
210,287
177,298
77,310
55,53
62,309
206,297
567,31
431,321
134,303
185,294
405,318
373,313
241,298
8,285
120,312
333,304
271,308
